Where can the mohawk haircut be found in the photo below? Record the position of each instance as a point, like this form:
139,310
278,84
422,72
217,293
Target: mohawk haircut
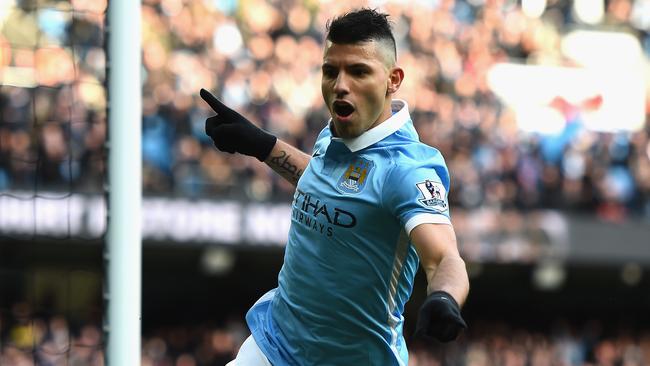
362,25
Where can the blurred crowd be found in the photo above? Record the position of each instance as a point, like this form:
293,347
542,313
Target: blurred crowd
496,343
52,95
263,59
43,341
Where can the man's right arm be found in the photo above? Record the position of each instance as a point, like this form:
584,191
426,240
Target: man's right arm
287,161
231,132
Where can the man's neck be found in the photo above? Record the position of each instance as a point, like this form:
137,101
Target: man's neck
385,114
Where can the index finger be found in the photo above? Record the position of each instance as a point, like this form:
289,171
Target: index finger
212,101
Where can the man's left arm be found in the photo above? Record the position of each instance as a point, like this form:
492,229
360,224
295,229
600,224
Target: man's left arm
447,282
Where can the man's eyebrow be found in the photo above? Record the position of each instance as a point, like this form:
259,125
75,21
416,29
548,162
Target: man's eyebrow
354,65
359,65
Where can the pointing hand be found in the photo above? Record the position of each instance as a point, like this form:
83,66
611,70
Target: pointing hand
233,133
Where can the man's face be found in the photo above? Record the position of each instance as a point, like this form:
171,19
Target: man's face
356,85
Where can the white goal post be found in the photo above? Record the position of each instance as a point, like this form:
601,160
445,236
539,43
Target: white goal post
124,242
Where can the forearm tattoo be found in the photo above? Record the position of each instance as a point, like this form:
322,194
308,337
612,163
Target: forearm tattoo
282,164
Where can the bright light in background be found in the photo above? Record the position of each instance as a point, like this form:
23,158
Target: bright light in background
606,92
227,39
5,5
617,61
640,17
543,120
589,11
217,261
549,275
541,95
631,274
533,8
603,50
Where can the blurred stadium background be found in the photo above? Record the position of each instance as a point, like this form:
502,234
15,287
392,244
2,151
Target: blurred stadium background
540,107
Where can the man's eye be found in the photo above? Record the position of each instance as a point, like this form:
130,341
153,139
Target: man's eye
359,72
330,73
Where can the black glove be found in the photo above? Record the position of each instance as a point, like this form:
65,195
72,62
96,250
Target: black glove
231,132
439,318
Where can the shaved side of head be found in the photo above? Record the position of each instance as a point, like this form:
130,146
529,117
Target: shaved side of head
365,25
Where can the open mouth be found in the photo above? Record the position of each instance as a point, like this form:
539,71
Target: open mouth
342,108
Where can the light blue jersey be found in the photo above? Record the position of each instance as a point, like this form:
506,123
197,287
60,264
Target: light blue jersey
349,265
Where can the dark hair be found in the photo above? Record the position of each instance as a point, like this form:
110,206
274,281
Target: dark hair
361,25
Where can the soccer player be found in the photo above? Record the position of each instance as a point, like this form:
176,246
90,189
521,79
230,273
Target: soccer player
370,204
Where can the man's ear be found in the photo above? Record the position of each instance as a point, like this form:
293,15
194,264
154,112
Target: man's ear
395,80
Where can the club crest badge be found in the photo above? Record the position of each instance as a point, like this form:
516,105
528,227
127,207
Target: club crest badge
434,195
355,177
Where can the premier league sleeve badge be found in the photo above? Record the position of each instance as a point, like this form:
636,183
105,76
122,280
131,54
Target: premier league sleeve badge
434,195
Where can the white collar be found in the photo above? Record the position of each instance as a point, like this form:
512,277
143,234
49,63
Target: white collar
382,130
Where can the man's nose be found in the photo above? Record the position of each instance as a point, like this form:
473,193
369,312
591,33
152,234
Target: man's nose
341,86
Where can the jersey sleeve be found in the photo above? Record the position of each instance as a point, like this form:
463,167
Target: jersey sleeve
416,193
